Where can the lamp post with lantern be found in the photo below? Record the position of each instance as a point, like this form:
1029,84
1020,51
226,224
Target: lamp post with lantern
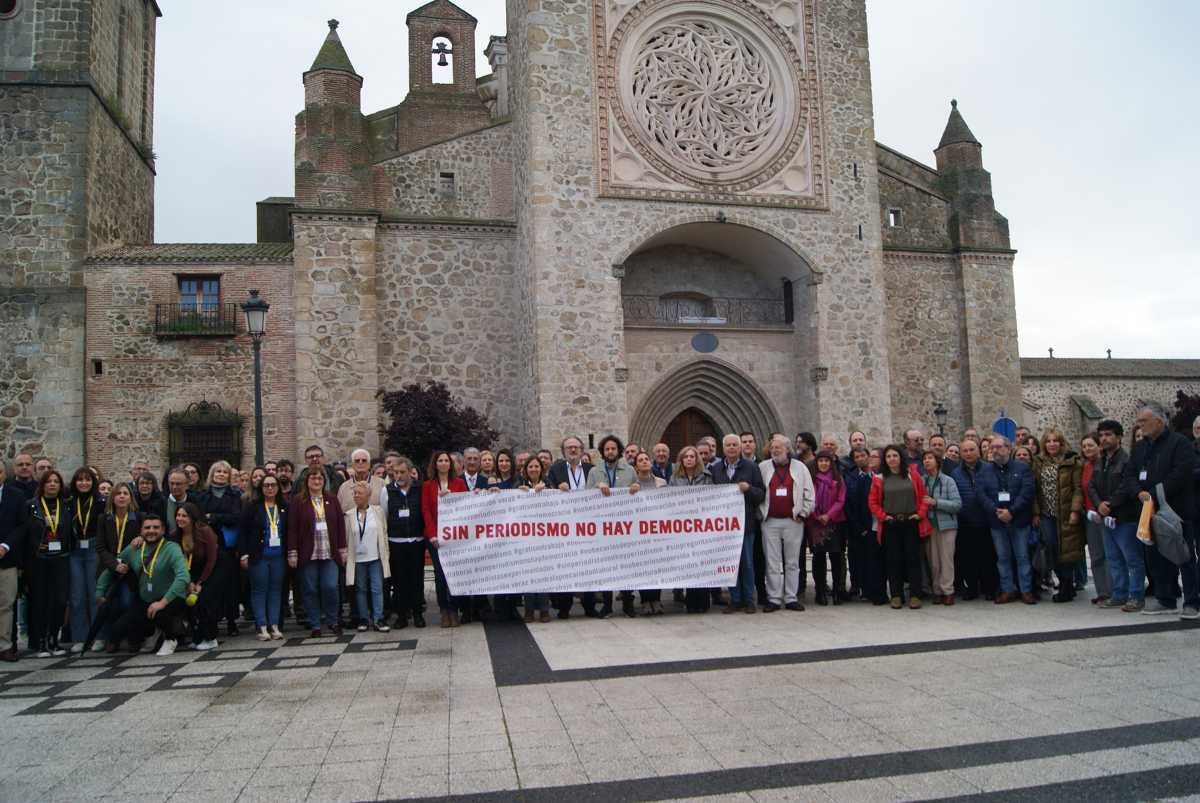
256,324
939,415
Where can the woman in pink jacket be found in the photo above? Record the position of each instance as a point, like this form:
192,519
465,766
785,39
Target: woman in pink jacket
824,528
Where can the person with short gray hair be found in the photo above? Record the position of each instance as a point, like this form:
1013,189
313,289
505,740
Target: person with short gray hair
1165,458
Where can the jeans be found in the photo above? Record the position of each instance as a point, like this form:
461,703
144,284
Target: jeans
1097,547
743,592
368,587
266,588
1126,562
1165,573
537,602
321,604
1013,542
85,565
782,541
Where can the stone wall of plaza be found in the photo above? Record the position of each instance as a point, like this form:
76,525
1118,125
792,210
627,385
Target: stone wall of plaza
1075,394
138,373
571,234
447,301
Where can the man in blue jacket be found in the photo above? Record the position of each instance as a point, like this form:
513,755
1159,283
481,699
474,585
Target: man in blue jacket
1005,490
974,555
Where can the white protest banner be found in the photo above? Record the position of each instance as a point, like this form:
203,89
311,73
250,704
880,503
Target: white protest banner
520,541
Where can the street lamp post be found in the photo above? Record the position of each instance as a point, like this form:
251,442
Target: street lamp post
256,324
939,414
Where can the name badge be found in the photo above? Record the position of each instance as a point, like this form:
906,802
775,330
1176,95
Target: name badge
273,538
322,527
84,543
362,548
402,513
1004,496
781,491
54,546
1144,475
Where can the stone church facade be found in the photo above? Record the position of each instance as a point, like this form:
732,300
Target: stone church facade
653,217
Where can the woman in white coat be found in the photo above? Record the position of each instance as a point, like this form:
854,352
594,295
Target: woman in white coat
367,562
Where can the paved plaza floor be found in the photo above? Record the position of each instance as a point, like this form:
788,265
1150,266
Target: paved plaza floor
856,703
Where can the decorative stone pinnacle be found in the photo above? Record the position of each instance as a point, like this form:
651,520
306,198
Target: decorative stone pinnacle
953,103
333,24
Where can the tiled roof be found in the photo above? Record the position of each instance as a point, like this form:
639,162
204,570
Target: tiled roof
193,253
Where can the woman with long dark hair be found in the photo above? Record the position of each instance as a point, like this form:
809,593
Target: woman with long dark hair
51,540
442,480
86,512
897,502
824,531
207,573
316,547
261,535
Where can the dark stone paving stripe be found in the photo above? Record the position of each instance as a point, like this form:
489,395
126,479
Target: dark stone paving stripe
1153,784
912,762
518,661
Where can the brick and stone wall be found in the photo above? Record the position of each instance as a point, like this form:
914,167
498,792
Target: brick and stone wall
142,377
447,304
120,186
1116,387
481,163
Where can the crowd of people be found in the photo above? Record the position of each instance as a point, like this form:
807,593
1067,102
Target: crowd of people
102,562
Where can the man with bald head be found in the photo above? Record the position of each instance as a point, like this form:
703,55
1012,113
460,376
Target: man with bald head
734,469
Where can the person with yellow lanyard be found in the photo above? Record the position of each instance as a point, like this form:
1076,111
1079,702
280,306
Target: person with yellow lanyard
262,533
51,540
119,528
87,512
162,579
316,547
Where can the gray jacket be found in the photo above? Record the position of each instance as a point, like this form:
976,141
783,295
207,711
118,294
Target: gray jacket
943,513
598,476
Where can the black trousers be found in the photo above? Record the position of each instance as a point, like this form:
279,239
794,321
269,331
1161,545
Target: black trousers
231,585
563,602
589,600
902,546
872,563
760,565
975,561
213,599
407,564
135,625
833,548
49,585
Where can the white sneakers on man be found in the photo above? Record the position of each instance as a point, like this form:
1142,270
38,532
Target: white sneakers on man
204,646
167,648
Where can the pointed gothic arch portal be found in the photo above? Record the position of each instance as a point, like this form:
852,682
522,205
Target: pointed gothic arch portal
702,392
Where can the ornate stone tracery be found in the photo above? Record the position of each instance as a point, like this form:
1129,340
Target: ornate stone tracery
705,94
709,100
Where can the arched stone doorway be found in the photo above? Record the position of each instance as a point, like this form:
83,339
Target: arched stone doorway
704,391
686,429
702,294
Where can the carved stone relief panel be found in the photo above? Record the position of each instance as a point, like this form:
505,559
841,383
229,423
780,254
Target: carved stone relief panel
715,101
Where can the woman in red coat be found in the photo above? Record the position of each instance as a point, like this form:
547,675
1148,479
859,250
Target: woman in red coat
897,502
442,480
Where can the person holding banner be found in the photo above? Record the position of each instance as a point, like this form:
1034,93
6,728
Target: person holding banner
785,497
568,474
691,471
537,605
442,480
505,477
613,472
643,468
733,468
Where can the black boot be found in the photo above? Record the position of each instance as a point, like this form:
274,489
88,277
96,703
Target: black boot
822,596
627,605
418,619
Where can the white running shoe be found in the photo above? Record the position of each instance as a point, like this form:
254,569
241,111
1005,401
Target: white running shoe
263,635
167,648
276,633
204,646
77,647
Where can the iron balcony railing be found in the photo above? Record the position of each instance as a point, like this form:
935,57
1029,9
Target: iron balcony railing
731,313
192,320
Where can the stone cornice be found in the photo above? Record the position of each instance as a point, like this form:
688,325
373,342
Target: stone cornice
976,254
336,215
417,225
1100,368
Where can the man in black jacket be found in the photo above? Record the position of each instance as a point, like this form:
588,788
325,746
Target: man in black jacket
22,477
401,503
735,469
12,551
1166,457
1123,553
568,474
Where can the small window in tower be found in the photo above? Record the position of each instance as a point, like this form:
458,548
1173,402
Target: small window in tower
442,71
8,8
445,186
893,218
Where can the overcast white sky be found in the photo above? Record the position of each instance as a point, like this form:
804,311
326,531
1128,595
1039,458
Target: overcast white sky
1087,111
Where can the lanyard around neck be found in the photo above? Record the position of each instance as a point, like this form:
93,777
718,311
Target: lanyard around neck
149,572
121,521
84,520
53,520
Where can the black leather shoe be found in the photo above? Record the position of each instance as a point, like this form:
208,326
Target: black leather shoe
796,606
418,619
590,613
628,609
822,598
400,623
770,607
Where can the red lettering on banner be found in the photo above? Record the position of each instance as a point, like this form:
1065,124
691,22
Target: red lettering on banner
458,533
585,528
617,527
685,526
727,569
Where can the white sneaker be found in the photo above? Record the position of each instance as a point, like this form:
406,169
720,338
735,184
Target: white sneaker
167,648
97,645
77,647
43,654
58,652
263,635
276,633
204,646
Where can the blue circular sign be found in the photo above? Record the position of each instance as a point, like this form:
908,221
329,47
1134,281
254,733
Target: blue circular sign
705,342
